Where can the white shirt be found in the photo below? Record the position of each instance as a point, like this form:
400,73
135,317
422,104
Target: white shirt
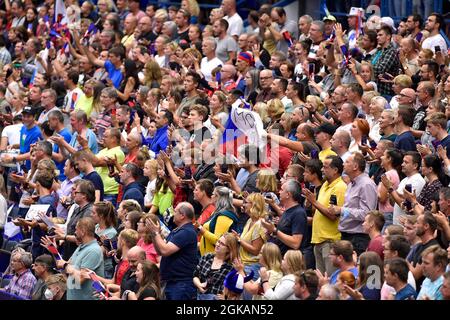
417,182
71,98
434,41
12,133
44,114
3,211
207,66
149,192
235,25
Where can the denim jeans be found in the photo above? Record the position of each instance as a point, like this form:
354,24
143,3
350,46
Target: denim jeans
248,269
180,290
206,296
388,220
360,241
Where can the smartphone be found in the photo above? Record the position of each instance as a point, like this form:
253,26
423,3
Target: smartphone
387,76
437,49
333,200
111,168
224,168
312,188
364,140
311,69
113,111
187,173
314,154
408,203
408,187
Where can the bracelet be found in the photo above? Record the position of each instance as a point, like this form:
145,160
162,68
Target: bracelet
264,281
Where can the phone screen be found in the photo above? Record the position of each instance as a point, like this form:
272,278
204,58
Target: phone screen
311,69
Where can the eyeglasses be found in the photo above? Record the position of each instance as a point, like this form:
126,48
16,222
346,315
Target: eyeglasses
264,78
221,243
76,192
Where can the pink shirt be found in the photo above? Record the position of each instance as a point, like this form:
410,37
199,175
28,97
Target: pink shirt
149,249
395,179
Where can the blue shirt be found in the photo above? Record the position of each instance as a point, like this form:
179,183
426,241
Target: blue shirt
114,74
160,141
335,275
405,142
89,256
95,178
431,289
65,133
181,264
92,141
407,293
134,191
28,137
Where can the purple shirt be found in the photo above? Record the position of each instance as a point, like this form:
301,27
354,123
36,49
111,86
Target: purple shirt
360,198
65,191
22,285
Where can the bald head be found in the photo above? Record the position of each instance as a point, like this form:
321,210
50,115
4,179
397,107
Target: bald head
130,23
136,253
228,72
145,23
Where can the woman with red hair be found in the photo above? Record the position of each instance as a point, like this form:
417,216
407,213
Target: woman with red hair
359,132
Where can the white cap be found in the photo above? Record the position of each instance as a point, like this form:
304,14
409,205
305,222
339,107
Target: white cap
389,22
354,11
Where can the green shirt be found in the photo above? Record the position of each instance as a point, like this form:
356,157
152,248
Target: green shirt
109,184
86,104
89,256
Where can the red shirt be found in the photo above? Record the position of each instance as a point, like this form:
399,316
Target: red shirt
376,245
121,269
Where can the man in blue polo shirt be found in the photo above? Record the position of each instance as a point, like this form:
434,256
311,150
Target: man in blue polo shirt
112,64
56,122
89,256
179,254
29,134
161,139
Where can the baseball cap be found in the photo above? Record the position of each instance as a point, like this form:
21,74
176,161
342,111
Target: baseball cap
28,110
329,18
388,22
326,128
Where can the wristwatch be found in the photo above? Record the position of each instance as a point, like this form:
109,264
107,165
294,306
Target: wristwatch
14,159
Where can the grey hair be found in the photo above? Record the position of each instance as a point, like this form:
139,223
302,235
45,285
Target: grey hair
224,200
330,292
187,209
110,92
172,26
212,40
294,188
320,24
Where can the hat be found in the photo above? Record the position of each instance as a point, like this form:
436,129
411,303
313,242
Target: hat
246,56
327,128
389,22
329,18
354,11
28,110
235,281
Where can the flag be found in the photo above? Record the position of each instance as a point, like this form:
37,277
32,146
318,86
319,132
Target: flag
243,126
97,285
52,249
324,8
359,24
287,36
92,29
60,13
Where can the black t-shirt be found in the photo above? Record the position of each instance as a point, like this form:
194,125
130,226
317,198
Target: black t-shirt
293,221
417,258
183,36
95,178
129,282
147,293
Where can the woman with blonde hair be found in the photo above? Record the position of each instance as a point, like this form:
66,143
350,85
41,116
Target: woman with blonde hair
292,263
266,182
151,172
275,109
364,75
366,100
193,8
270,259
152,74
402,81
261,109
377,105
210,273
313,103
253,235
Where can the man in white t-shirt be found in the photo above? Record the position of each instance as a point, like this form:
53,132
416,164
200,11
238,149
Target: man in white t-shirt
11,133
410,167
433,25
210,61
236,25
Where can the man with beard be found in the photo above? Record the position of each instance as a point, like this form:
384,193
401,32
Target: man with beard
433,25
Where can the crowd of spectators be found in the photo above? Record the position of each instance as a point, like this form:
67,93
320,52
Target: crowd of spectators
116,183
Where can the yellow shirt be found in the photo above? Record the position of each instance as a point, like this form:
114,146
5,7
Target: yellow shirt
323,228
325,153
250,234
109,184
209,239
86,104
